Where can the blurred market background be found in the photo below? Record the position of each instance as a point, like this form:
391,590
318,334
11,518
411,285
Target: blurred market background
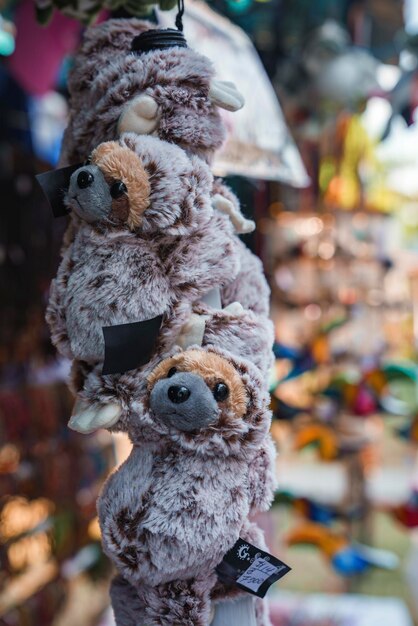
325,157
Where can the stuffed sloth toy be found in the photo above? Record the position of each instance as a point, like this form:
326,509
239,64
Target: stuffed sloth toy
147,243
181,500
153,239
172,94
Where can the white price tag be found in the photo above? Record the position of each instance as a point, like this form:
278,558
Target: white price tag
258,572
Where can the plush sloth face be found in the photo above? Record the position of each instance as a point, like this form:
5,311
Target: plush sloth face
196,390
114,188
142,182
207,402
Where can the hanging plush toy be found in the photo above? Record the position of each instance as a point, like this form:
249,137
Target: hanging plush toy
128,78
172,511
147,248
154,84
151,250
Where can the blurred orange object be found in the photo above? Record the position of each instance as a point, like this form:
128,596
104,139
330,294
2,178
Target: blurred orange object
319,435
316,534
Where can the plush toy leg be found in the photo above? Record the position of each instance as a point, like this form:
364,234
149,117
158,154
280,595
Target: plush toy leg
127,607
129,610
232,596
239,612
87,418
179,603
262,613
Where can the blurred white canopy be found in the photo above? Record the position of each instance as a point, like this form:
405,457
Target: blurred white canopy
259,144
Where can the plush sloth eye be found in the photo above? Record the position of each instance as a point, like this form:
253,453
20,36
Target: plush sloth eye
117,189
171,372
220,392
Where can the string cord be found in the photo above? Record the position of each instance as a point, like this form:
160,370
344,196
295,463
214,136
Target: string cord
179,16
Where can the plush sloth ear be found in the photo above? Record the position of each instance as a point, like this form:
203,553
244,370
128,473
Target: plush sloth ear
141,116
54,184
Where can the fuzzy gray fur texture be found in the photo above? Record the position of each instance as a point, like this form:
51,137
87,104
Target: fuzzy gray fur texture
110,275
165,529
106,76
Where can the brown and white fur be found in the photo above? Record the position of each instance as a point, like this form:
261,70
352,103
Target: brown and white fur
158,252
182,499
172,94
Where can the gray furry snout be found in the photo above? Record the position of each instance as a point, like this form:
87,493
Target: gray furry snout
88,194
184,401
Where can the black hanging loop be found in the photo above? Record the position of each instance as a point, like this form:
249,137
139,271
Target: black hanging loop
161,38
179,16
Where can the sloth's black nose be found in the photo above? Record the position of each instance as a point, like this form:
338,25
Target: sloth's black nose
85,179
178,393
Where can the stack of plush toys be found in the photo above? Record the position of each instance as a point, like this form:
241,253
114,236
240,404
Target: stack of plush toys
164,314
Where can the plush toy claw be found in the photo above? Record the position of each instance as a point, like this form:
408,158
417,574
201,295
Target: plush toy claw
241,224
141,116
192,332
225,95
87,418
235,308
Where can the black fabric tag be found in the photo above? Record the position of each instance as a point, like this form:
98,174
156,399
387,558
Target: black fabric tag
54,184
128,346
250,568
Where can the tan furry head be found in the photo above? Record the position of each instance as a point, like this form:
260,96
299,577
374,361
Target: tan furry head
213,368
215,422
119,163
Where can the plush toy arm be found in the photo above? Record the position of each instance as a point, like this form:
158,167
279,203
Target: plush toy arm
55,312
225,201
250,286
98,395
186,603
115,280
241,332
127,606
262,477
121,508
196,266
